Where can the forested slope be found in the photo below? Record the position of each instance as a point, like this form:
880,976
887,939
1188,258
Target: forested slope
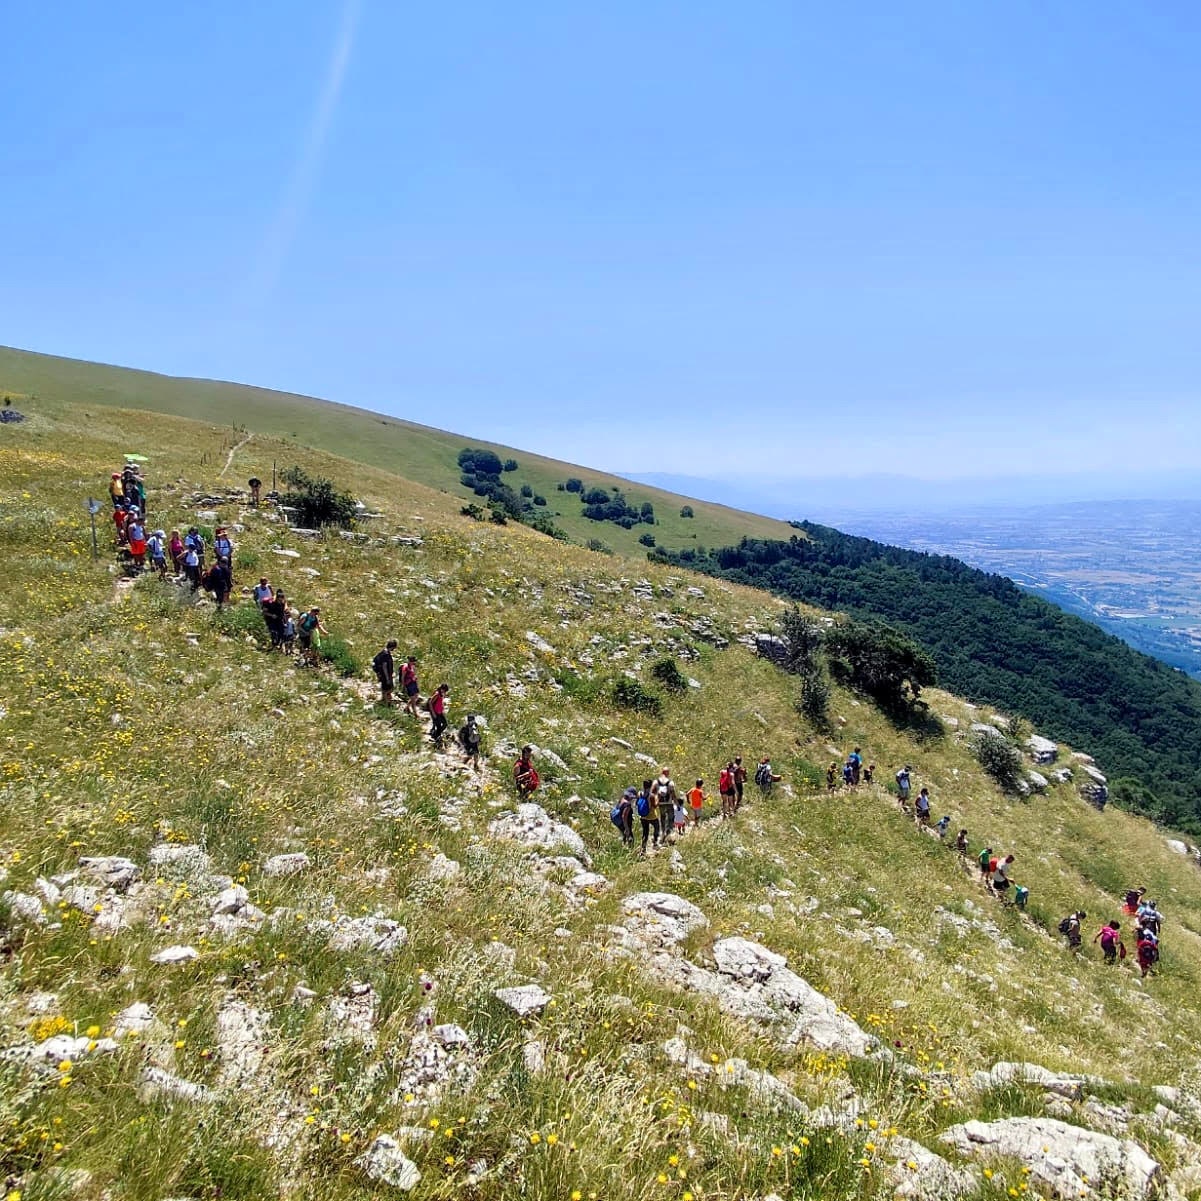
996,644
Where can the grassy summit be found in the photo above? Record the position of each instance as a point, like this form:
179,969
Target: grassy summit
137,724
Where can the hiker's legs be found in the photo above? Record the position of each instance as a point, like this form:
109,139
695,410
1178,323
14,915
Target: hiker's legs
646,829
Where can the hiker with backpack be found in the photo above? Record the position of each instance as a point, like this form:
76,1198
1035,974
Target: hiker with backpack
1134,898
1070,927
437,708
1021,894
696,801
904,783
1147,950
1149,917
256,488
1110,938
666,797
408,681
116,490
156,548
725,786
275,612
622,816
262,591
525,774
191,566
942,826
220,582
135,532
384,666
1000,875
648,814
469,740
223,548
961,843
832,777
848,773
855,759
739,781
765,777
309,630
287,629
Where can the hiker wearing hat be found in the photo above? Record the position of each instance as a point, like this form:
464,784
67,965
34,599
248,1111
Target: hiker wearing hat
309,632
223,546
904,783
156,548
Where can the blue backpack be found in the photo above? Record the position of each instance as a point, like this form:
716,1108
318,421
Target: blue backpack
615,816
644,805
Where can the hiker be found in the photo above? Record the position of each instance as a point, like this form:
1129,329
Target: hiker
175,549
525,774
120,514
437,708
1149,917
942,826
1147,949
408,681
869,773
275,612
904,781
832,777
921,810
223,548
765,777
1021,894
1000,875
135,490
287,630
191,566
985,859
469,739
309,630
220,581
696,801
739,781
848,773
1133,899
1071,927
256,487
1111,941
666,797
679,818
622,816
648,813
116,490
156,547
961,842
136,533
384,667
725,786
262,592
195,539
855,759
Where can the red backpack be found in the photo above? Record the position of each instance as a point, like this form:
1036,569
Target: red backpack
725,782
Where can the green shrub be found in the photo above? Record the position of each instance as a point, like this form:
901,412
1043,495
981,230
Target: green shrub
237,620
338,653
574,485
647,539
473,511
1000,758
316,501
597,545
686,511
630,694
667,672
879,661
246,560
814,705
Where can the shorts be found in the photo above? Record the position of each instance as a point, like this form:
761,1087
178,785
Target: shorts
306,641
411,689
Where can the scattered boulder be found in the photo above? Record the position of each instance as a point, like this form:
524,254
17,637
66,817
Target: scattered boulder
1063,1084
242,1042
921,1175
381,935
1037,781
133,1019
1042,750
178,954
530,825
155,1082
114,871
385,1163
662,917
352,1015
525,1000
1068,1161
286,865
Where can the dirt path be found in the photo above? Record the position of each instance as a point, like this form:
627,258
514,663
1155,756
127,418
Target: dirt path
229,458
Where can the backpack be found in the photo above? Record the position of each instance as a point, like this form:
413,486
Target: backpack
992,865
763,775
378,664
644,805
725,782
615,816
1065,925
308,623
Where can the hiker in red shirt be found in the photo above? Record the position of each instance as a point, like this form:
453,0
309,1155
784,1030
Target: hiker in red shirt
438,713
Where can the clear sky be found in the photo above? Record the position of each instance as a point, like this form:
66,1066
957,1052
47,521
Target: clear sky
934,238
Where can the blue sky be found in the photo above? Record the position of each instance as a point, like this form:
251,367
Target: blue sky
940,239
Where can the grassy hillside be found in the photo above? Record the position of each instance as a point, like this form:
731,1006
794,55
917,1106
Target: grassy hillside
135,722
415,452
998,645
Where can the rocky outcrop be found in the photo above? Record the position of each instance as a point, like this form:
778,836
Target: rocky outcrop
530,825
1042,750
1065,1160
385,1163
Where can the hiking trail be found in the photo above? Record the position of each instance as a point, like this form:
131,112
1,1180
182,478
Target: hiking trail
229,458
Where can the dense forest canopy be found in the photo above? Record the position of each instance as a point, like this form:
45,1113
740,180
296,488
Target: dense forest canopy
995,644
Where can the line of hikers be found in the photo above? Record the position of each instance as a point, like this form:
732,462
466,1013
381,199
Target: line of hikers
384,666
1148,921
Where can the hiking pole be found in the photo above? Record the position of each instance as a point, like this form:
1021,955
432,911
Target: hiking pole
93,507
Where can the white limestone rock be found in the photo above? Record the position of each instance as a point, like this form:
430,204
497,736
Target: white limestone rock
286,865
1067,1161
525,1000
385,1163
174,955
531,826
